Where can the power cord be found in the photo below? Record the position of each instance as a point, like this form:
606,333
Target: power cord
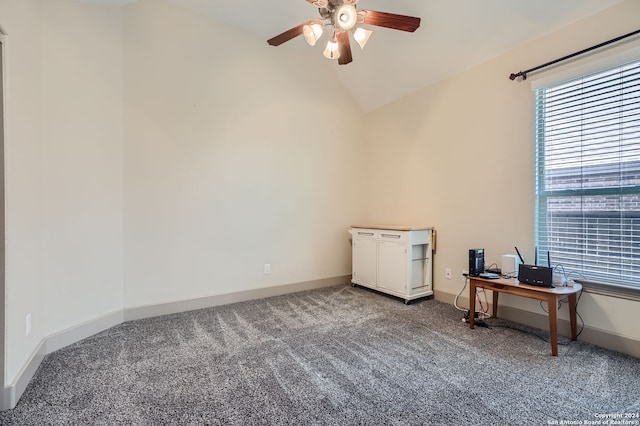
455,301
484,311
577,313
564,273
528,332
565,300
493,268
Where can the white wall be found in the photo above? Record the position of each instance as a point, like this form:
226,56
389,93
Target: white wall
459,156
82,162
236,155
63,169
23,180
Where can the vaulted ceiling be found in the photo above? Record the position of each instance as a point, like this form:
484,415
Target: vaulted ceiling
454,35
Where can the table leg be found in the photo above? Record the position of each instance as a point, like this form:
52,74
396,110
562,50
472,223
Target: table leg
553,324
572,315
472,303
495,303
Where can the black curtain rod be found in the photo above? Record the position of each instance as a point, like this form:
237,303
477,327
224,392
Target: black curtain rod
523,74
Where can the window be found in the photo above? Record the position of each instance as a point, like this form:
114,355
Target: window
588,176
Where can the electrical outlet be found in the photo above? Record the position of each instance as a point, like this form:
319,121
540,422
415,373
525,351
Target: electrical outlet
267,268
27,325
447,273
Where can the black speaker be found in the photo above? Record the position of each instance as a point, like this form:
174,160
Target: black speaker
476,262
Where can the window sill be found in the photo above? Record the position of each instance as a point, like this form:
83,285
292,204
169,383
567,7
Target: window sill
621,292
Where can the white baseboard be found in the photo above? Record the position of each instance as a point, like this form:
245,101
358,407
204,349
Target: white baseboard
52,343
591,335
147,311
59,340
14,391
78,332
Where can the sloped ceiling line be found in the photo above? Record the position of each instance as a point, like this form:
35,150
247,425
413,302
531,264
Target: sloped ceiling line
455,35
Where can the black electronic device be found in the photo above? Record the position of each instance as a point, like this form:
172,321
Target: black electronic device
476,262
540,276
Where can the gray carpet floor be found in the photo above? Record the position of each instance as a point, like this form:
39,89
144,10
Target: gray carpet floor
333,356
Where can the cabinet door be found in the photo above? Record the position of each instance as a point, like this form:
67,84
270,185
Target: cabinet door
364,261
392,267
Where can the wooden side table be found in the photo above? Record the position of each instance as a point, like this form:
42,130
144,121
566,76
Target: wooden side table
513,286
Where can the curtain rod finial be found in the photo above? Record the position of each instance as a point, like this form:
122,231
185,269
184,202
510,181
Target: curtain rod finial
512,77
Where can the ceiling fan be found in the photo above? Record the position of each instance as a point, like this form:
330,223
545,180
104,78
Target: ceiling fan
343,16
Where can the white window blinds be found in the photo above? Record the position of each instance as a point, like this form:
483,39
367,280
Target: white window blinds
588,175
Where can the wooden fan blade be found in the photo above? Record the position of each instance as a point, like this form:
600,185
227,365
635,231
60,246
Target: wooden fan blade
344,46
287,35
391,20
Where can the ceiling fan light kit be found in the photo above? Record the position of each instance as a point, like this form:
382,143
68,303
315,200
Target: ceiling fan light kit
313,31
343,16
361,36
332,50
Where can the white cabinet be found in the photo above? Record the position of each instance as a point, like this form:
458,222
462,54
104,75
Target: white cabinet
393,259
392,271
365,260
